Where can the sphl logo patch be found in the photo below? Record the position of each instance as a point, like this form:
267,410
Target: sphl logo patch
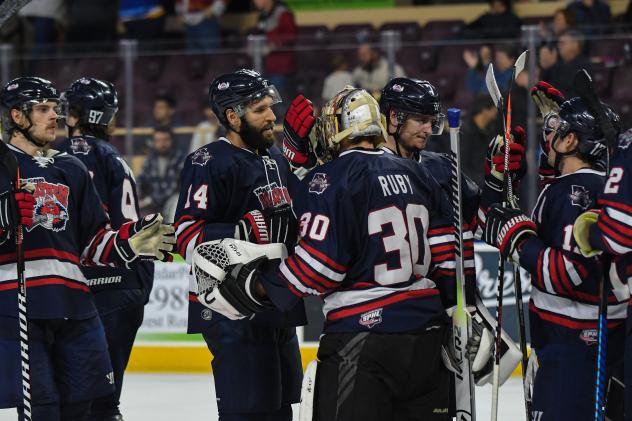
201,157
51,205
371,318
319,183
580,196
589,336
625,139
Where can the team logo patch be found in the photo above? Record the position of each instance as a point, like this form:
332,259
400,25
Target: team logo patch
580,196
625,139
51,205
201,157
80,146
319,183
589,336
398,88
206,314
272,195
371,318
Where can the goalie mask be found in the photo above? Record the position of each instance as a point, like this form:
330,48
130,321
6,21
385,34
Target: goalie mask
352,113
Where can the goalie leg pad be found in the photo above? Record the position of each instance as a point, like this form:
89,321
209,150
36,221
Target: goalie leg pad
306,410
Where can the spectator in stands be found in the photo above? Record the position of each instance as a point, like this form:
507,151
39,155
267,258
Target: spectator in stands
563,20
201,22
566,62
277,22
499,22
478,128
143,19
159,179
164,114
504,59
91,25
372,71
207,130
592,16
42,20
337,79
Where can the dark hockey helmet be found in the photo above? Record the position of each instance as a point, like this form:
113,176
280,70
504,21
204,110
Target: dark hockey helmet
238,89
412,96
94,101
574,117
22,93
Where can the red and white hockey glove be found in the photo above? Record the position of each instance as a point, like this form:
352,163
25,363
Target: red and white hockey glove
547,98
277,225
146,238
18,212
298,123
506,229
495,159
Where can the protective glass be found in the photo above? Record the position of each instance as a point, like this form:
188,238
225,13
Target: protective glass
271,91
437,121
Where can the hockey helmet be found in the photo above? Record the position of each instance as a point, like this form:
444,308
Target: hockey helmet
574,117
22,93
412,96
95,101
350,114
238,89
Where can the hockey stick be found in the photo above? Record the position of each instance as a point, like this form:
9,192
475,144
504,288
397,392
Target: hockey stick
583,85
9,7
461,321
10,163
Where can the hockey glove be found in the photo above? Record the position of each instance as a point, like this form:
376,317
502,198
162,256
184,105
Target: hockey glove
581,231
297,147
18,212
506,229
146,238
547,98
495,159
276,225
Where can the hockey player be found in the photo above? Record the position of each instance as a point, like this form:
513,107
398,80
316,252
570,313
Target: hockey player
70,365
120,293
237,187
609,229
564,297
368,219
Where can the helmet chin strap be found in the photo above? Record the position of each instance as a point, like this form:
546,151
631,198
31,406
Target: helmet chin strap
27,134
401,119
559,156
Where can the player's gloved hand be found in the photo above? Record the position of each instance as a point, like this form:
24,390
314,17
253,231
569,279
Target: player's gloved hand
275,225
547,98
20,211
506,229
240,294
581,231
146,238
495,158
298,123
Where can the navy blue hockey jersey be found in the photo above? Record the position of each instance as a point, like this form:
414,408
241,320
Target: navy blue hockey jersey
116,186
219,184
69,230
565,284
367,221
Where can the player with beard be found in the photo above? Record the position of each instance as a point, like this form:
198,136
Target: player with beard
236,187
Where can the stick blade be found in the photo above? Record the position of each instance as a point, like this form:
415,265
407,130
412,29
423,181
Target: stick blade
520,63
582,82
492,86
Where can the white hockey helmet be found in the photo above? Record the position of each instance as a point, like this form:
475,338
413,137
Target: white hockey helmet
350,114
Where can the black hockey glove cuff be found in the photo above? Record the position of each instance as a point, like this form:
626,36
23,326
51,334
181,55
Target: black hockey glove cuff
506,228
276,225
239,288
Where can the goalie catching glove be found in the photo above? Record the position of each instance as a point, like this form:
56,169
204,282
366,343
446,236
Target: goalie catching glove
145,238
226,274
275,225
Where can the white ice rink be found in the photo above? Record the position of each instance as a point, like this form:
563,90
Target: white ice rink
169,397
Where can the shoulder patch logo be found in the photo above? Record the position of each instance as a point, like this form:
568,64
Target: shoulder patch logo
319,183
51,205
625,139
589,336
201,157
371,318
580,196
80,146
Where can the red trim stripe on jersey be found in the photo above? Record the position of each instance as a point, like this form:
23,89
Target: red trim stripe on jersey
615,230
296,269
327,261
619,206
50,280
183,240
45,253
382,302
559,319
